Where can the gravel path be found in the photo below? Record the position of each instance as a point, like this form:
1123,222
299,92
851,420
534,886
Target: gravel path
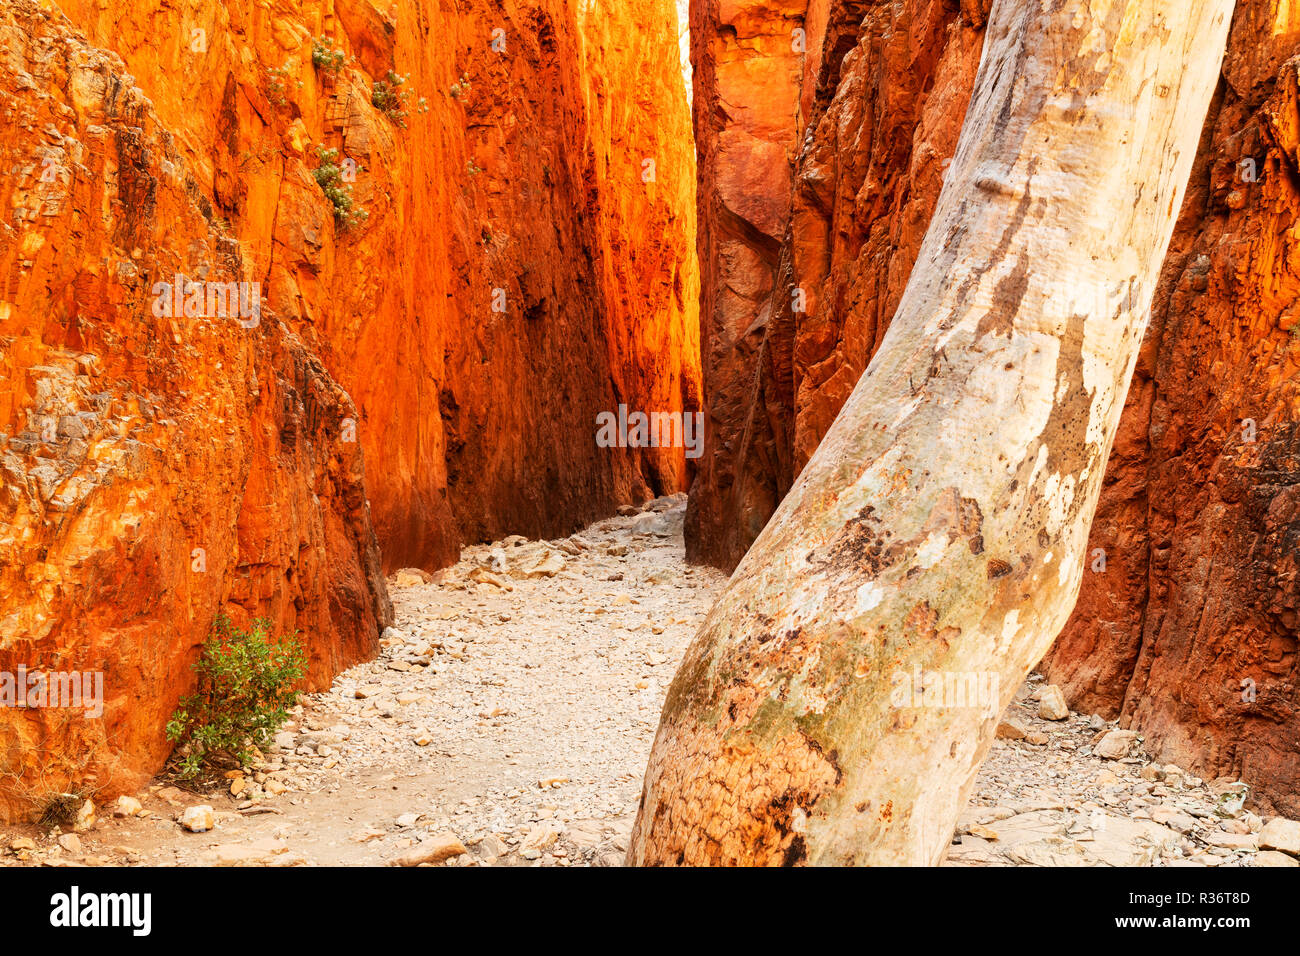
509,718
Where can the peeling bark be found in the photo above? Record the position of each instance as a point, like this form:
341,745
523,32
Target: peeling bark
941,527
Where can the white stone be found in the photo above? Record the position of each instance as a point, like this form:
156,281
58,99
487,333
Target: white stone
198,819
1051,704
1281,834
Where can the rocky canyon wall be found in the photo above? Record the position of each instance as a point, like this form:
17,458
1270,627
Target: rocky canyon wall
752,77
469,230
157,470
876,104
1187,627
526,258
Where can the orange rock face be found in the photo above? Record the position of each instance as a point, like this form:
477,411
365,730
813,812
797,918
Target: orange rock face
800,313
750,76
1190,631
427,366
526,259
158,469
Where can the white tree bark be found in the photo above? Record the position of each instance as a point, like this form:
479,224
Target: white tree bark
941,527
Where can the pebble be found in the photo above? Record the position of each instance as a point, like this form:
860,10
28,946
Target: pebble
1115,744
85,817
1011,728
252,854
1274,858
70,842
198,819
436,849
1282,835
1051,704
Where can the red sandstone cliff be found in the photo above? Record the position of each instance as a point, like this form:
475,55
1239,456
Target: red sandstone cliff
543,151
802,302
1199,528
521,167
750,77
157,470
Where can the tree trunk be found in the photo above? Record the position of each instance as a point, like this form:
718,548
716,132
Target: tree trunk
841,695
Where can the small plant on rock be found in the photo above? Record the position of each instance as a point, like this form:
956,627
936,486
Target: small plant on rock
389,97
324,56
244,694
277,88
330,179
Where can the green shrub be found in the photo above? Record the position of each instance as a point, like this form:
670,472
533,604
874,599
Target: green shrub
277,89
244,694
330,179
389,97
324,56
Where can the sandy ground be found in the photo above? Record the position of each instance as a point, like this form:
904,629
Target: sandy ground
510,715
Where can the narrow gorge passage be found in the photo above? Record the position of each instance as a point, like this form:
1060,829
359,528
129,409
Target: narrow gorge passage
513,701
434,363
508,720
